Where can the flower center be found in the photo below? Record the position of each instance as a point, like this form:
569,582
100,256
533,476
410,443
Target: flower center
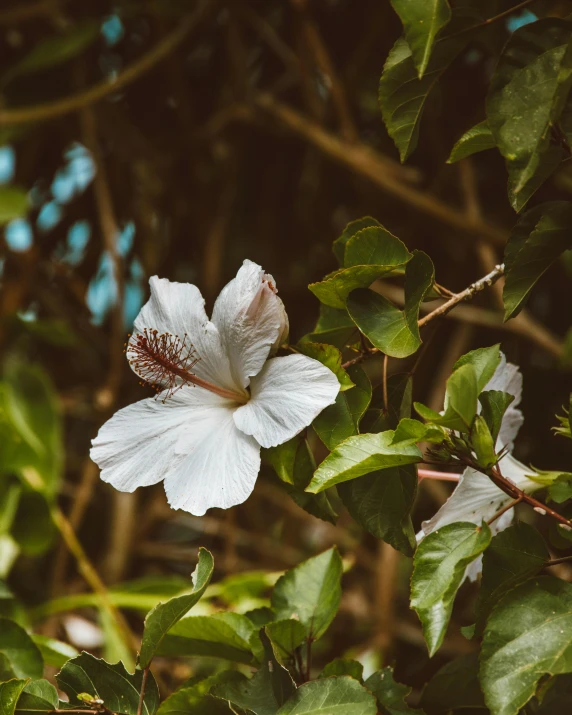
165,362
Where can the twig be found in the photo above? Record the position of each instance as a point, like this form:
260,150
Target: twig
49,110
490,20
466,294
440,476
561,560
385,397
504,509
142,693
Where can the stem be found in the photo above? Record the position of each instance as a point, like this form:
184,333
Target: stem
490,20
142,693
89,573
385,397
561,560
504,509
442,476
308,659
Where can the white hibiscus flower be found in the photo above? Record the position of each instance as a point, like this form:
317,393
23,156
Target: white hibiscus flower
475,497
220,398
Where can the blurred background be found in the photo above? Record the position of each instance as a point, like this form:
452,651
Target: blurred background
177,138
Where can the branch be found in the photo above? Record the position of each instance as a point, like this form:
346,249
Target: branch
49,110
142,693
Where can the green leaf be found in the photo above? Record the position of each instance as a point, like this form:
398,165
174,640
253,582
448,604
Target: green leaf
527,636
369,254
561,488
329,356
361,455
412,431
282,685
339,246
33,528
165,615
19,649
399,394
438,570
14,203
55,50
38,696
484,361
193,698
476,139
461,401
343,666
9,694
526,96
494,404
422,20
287,635
341,420
537,240
330,696
381,503
111,683
334,326
395,332
311,592
223,635
390,695
55,653
454,686
514,555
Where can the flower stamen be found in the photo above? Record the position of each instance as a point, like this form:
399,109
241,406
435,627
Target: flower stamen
165,361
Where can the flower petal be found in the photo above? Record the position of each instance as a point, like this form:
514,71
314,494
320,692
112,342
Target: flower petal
179,309
285,397
251,320
508,378
217,464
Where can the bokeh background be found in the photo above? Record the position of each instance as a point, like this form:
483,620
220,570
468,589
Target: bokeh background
177,138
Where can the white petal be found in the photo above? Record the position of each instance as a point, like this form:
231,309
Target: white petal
179,309
219,464
136,447
508,378
251,320
285,397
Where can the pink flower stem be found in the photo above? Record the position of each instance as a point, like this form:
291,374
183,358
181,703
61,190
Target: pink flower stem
432,474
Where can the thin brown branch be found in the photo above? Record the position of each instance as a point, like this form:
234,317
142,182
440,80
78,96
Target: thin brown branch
561,560
490,20
85,98
142,693
385,396
440,476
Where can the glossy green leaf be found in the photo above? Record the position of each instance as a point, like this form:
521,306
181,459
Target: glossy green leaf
537,240
223,635
55,50
193,698
165,615
514,555
476,139
484,361
381,503
390,695
111,683
334,327
527,636
395,332
14,203
339,246
494,404
311,592
369,254
422,20
342,419
54,652
38,696
438,570
526,97
22,654
454,686
461,401
361,455
329,356
330,696
343,666
9,695
286,634
412,431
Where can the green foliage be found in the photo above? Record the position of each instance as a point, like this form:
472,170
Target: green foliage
9,694
439,567
527,636
537,240
37,696
476,139
395,332
390,695
455,685
330,696
22,657
311,593
343,666
526,97
165,615
494,404
422,21
329,356
361,455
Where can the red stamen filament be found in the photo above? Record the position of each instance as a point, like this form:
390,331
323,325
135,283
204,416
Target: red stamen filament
165,362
